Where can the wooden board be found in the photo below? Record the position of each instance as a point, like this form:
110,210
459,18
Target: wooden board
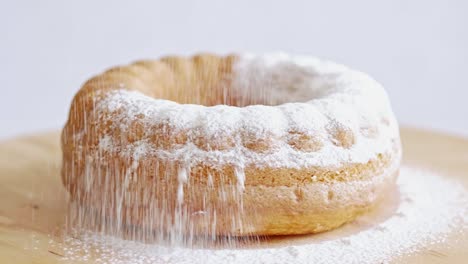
33,203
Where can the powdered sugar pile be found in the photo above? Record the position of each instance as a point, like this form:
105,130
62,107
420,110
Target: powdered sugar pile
430,208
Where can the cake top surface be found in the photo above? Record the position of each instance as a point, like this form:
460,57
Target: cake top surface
317,113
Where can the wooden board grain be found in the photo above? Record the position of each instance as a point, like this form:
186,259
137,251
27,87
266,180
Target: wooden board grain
33,203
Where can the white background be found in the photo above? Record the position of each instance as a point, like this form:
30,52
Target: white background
417,49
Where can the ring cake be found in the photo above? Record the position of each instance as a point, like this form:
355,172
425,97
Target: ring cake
232,146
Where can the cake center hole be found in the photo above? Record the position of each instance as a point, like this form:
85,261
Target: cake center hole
240,86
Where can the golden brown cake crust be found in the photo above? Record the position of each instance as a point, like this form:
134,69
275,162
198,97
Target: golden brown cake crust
146,192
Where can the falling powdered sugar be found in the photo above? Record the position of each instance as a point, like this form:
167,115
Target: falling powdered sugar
430,207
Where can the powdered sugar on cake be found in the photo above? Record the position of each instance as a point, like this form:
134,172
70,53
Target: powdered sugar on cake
312,97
